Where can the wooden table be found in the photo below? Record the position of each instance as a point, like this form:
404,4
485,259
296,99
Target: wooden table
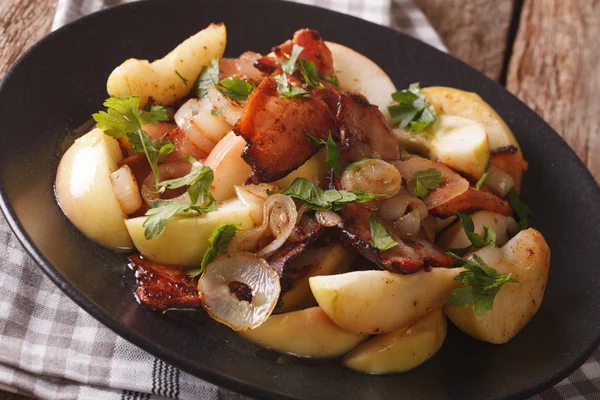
546,52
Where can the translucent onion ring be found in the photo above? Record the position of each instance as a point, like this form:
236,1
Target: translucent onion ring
168,170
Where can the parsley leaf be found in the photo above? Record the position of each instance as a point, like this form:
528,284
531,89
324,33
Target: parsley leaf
218,240
426,180
235,88
289,91
218,111
380,237
332,79
199,180
185,81
359,163
482,283
208,75
310,73
486,173
334,154
302,189
412,109
289,66
162,211
475,239
521,209
123,117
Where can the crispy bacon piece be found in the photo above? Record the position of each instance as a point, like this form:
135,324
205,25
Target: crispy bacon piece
409,256
275,128
315,50
305,233
363,130
162,286
473,200
183,146
510,161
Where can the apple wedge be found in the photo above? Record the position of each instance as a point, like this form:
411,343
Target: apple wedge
450,101
402,349
320,260
527,257
372,302
85,193
305,333
359,74
314,169
169,79
455,237
185,238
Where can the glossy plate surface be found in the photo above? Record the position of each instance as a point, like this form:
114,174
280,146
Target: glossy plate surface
61,81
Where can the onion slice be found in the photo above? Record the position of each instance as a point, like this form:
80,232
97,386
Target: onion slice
239,290
279,218
328,218
499,181
373,176
169,170
126,189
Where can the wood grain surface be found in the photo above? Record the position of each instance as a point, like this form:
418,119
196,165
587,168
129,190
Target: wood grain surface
553,64
475,31
555,70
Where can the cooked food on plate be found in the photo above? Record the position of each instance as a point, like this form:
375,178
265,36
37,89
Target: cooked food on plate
301,199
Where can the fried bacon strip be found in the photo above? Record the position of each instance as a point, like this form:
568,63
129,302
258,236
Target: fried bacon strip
509,160
315,50
305,233
275,129
163,286
473,200
409,256
363,130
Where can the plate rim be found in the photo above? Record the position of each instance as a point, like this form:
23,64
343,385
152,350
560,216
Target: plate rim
208,374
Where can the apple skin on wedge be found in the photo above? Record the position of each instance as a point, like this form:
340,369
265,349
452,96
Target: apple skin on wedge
527,257
85,193
402,349
304,333
185,238
373,302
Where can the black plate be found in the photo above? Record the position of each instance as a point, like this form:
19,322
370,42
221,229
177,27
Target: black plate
61,81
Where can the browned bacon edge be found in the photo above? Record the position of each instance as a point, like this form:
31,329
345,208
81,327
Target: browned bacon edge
473,200
409,256
509,160
163,286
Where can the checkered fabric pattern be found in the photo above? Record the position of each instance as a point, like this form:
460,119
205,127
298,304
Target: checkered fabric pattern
50,348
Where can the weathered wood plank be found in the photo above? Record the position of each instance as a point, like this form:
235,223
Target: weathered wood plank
554,69
22,23
475,31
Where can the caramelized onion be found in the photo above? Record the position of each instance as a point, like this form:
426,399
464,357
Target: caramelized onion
374,176
499,181
279,219
395,207
126,189
328,218
165,171
408,225
239,290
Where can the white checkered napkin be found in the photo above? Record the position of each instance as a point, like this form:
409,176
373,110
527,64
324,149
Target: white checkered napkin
50,348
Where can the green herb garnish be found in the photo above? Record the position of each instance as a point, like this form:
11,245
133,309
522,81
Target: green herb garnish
208,76
198,179
235,88
521,209
427,180
185,81
314,197
475,239
482,283
380,237
218,241
334,154
289,91
123,117
413,110
486,173
162,211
